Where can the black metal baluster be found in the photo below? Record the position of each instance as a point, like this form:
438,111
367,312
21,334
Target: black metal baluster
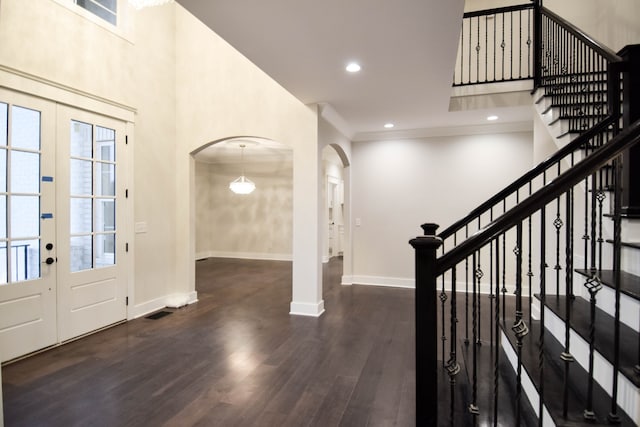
519,45
452,365
466,293
519,326
479,274
617,225
601,197
496,351
530,269
473,406
566,355
558,223
543,296
593,285
486,49
504,273
502,46
443,300
462,53
478,51
586,237
470,39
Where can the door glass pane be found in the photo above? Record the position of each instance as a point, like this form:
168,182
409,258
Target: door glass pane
81,139
105,215
80,176
93,175
25,172
105,250
25,216
105,144
25,128
81,253
3,217
105,179
3,263
25,260
3,170
81,215
4,119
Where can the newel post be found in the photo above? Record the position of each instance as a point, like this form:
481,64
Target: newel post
426,326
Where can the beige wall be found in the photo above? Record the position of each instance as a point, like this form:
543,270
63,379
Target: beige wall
255,226
180,86
399,184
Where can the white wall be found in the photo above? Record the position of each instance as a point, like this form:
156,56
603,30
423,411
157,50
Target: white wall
254,226
187,88
614,23
398,185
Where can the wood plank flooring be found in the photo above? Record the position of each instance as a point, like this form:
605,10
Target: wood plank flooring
235,358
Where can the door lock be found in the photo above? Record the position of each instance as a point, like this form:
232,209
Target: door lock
49,246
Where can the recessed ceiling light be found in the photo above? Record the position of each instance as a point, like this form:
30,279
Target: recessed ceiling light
389,125
492,118
353,67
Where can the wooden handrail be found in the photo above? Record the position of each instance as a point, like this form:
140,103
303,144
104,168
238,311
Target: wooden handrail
533,203
603,50
529,176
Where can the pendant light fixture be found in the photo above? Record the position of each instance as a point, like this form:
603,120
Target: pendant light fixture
242,185
139,4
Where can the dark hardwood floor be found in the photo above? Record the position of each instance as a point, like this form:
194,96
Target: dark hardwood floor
235,358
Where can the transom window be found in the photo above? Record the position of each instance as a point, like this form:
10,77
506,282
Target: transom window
105,9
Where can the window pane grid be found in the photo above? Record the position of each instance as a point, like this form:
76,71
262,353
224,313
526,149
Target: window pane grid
20,156
93,198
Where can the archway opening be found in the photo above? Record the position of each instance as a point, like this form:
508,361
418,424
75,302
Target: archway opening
254,226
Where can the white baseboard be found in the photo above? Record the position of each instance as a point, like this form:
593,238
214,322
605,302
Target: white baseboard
245,255
392,282
172,301
307,309
399,282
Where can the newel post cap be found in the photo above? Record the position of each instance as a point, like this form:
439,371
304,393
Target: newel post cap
429,228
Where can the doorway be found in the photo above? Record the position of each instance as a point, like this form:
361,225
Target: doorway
62,204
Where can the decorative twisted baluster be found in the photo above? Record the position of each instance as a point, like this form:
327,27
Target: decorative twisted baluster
543,296
473,406
566,355
593,285
496,350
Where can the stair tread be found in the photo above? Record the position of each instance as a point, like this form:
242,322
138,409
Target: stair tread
580,323
629,283
554,379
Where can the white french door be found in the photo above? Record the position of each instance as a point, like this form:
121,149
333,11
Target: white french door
91,253
27,225
62,254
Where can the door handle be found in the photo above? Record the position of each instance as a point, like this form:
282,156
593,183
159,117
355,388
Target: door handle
49,261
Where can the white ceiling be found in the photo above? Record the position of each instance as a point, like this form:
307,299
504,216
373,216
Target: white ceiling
406,48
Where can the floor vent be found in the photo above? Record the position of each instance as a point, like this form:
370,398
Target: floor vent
158,315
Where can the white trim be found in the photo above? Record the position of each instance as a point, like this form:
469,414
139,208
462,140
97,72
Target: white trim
527,385
33,85
401,282
307,309
392,282
181,299
628,393
445,131
245,255
140,310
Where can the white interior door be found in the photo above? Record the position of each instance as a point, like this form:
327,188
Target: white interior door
27,225
91,251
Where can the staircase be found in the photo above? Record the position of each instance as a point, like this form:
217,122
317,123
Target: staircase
528,309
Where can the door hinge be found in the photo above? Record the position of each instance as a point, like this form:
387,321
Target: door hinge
126,301
126,193
126,247
126,140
